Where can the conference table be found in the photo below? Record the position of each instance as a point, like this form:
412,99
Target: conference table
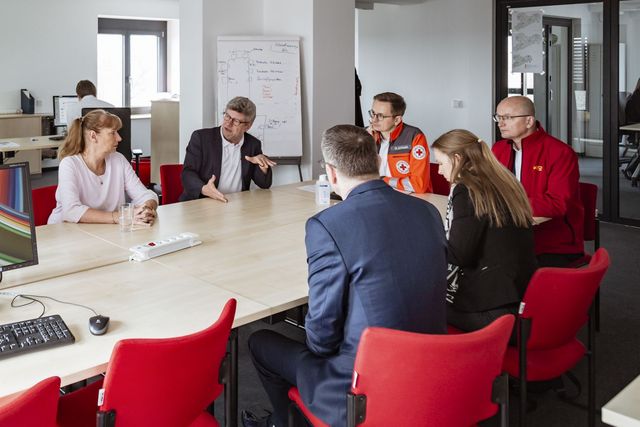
252,250
624,409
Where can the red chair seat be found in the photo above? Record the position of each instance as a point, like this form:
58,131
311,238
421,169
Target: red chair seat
44,201
544,365
295,397
35,407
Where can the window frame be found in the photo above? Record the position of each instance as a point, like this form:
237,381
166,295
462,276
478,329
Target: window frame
126,28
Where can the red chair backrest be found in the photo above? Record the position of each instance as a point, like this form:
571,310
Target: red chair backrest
171,183
145,170
170,381
589,197
36,407
44,201
558,300
441,380
438,182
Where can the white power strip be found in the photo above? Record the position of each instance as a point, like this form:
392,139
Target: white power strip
164,246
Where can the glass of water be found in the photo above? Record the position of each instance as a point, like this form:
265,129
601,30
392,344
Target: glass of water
125,216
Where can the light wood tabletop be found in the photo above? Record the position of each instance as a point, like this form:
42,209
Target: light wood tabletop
64,249
142,299
28,143
253,250
624,409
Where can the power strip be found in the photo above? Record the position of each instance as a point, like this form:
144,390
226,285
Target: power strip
164,246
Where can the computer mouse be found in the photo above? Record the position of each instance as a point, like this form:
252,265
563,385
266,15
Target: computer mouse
98,325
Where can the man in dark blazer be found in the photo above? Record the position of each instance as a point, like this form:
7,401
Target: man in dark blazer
376,259
226,158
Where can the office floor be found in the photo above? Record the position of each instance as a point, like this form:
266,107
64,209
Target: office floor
618,358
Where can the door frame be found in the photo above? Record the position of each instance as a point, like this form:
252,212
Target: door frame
610,58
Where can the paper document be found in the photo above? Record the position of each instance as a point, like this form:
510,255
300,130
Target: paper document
9,144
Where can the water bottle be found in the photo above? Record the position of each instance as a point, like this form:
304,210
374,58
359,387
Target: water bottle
323,190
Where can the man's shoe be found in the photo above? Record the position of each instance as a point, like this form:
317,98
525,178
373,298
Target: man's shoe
249,419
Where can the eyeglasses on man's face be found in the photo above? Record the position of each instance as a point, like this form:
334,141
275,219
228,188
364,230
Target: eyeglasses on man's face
324,164
506,118
378,116
235,122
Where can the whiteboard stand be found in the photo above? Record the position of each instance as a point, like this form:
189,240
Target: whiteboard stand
290,161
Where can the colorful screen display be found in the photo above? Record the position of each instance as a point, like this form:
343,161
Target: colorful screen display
17,231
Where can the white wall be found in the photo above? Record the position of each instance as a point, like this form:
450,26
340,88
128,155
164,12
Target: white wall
47,46
431,53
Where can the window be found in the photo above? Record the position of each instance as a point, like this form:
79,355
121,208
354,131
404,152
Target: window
132,61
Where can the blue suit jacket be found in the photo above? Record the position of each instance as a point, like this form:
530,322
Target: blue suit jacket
376,259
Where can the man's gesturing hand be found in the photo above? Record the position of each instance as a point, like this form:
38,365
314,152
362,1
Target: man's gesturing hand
210,190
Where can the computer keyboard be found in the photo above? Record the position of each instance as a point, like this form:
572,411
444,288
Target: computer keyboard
32,335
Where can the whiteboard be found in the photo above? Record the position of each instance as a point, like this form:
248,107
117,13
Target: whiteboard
267,71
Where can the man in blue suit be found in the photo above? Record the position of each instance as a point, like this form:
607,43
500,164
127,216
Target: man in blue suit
376,259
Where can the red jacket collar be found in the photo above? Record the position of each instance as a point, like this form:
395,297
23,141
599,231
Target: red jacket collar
534,138
393,136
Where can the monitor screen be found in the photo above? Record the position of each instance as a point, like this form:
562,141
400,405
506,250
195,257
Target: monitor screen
17,228
125,131
60,105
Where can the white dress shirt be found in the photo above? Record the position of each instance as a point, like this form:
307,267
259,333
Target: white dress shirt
384,163
517,162
80,189
89,101
230,179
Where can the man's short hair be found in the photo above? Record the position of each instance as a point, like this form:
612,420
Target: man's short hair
351,150
398,106
243,105
84,88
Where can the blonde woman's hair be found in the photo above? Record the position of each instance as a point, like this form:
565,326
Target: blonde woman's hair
494,191
95,120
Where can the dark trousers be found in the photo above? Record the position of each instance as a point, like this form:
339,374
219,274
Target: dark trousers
472,321
276,360
557,260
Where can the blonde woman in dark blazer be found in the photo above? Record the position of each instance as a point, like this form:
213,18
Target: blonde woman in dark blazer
489,231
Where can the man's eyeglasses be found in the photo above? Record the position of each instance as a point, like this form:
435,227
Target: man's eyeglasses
507,118
323,164
377,116
234,122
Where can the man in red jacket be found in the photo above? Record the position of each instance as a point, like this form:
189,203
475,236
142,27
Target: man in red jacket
548,171
403,149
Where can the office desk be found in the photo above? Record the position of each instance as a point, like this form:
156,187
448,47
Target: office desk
253,250
624,409
30,146
142,299
65,249
635,127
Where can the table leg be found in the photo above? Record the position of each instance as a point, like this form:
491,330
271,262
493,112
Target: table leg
231,389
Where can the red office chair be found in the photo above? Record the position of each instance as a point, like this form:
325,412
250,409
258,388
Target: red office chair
404,378
36,407
44,201
160,382
438,182
142,166
555,306
171,183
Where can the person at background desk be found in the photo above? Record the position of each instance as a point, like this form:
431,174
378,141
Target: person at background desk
489,227
225,159
403,150
548,171
632,107
363,271
87,98
93,178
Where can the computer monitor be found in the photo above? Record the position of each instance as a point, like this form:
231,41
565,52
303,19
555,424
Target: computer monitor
125,132
17,226
60,105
